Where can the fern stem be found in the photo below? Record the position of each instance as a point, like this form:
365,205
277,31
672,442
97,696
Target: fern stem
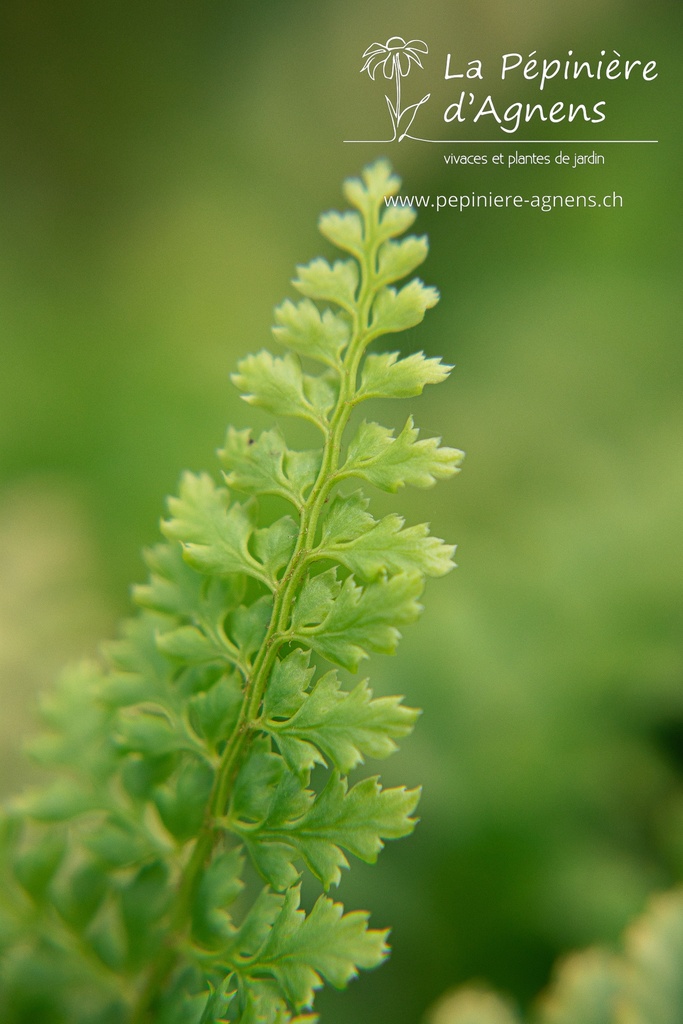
262,666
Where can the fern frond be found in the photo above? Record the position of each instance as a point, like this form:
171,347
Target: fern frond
207,745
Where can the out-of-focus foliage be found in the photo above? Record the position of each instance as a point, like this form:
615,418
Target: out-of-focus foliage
642,985
159,166
51,603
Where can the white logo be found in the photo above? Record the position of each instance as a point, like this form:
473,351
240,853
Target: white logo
396,58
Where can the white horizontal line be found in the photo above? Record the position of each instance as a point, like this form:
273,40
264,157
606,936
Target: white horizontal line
525,142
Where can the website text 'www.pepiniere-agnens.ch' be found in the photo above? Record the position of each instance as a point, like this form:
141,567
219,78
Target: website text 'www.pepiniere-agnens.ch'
505,201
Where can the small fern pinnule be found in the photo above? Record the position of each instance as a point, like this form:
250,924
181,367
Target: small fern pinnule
204,764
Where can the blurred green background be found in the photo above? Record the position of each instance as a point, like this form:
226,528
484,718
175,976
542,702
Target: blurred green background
162,166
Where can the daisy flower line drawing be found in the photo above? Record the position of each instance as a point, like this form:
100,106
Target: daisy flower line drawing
395,58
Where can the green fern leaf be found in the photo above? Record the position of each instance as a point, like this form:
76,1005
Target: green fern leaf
387,376
359,620
288,682
343,726
337,283
395,311
391,462
303,949
282,388
268,466
317,830
371,548
308,332
214,533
